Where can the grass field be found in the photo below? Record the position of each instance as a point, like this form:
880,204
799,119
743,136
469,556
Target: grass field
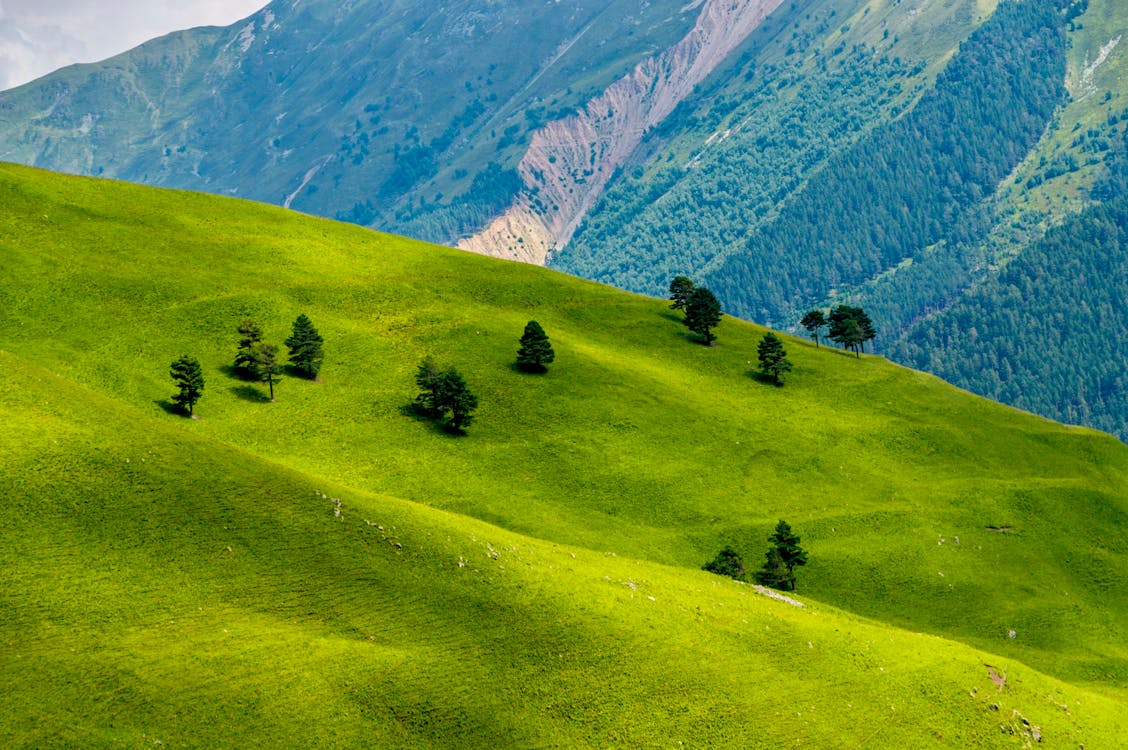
536,582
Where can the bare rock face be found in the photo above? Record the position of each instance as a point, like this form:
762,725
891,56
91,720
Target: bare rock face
570,161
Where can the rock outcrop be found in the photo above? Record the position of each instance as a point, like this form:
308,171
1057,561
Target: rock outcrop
570,161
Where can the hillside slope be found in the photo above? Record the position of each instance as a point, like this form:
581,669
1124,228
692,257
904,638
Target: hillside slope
199,596
921,505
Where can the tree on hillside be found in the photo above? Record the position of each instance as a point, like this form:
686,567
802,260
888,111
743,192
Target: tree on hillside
264,364
680,289
726,563
189,379
773,357
442,393
250,334
850,327
702,313
535,351
813,321
455,397
783,557
427,378
305,347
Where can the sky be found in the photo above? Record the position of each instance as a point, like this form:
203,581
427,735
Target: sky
38,36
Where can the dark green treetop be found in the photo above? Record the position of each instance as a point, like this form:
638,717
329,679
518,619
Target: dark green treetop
813,321
442,393
680,289
773,357
189,379
535,351
850,327
305,347
702,313
427,378
264,364
250,334
783,557
455,397
726,563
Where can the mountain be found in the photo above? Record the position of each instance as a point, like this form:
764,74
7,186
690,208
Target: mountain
328,569
789,155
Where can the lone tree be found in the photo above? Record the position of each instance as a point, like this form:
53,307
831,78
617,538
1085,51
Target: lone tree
726,563
442,393
702,313
535,351
773,357
251,334
264,364
189,379
680,289
850,327
427,378
813,321
783,557
305,347
455,397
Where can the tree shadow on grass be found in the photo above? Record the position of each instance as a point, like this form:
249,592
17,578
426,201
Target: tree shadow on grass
250,393
763,379
528,369
433,422
169,407
237,373
673,315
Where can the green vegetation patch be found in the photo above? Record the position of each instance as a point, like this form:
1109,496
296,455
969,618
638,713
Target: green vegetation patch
639,451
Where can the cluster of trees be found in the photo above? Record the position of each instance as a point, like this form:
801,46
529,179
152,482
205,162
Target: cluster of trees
258,360
913,182
444,395
701,307
778,571
703,313
848,326
254,360
655,221
1069,287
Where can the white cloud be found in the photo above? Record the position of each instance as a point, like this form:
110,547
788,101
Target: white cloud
38,36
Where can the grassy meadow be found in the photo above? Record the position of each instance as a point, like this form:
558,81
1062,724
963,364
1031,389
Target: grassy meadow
536,582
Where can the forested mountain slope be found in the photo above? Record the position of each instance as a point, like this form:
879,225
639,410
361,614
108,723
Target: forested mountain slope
789,155
370,111
328,569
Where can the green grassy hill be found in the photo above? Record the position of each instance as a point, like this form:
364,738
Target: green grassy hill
533,583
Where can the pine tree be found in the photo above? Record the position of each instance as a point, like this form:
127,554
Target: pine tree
726,563
680,289
442,393
251,334
189,379
456,398
851,327
773,357
535,351
783,557
773,573
264,364
305,347
702,313
427,378
813,321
